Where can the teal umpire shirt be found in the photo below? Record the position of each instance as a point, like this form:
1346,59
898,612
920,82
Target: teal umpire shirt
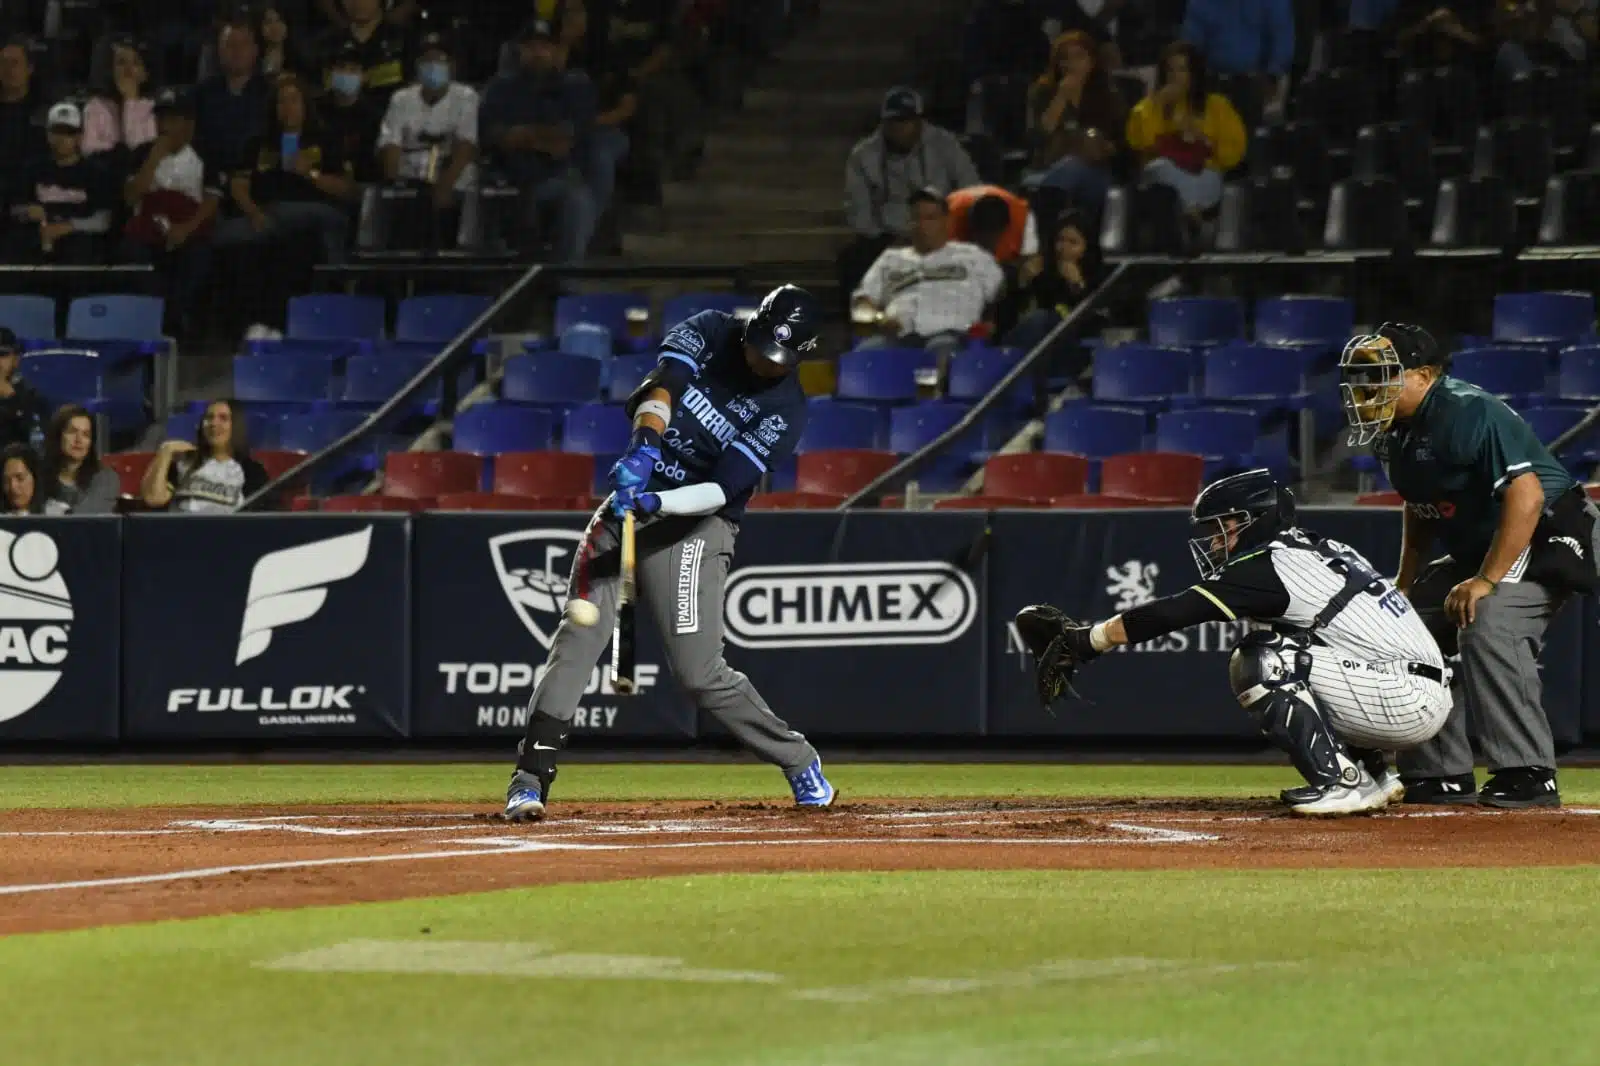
1453,458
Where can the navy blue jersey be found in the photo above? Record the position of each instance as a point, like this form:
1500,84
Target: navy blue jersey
725,407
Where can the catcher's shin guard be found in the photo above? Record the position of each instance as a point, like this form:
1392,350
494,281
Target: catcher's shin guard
1262,671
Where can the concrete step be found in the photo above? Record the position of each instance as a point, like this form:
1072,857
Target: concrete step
818,172
817,245
804,122
844,102
800,151
762,194
733,220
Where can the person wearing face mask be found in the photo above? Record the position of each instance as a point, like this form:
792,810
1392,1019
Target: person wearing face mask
430,132
350,116
379,47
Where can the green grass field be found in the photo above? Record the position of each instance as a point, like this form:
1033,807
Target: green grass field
918,969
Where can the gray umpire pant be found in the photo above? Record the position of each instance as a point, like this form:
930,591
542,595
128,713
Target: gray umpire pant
1497,680
683,567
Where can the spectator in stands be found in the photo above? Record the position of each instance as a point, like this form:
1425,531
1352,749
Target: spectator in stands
430,133
212,474
64,208
230,106
280,51
22,410
298,181
1057,291
379,46
537,122
1076,119
397,12
352,116
1188,137
1432,34
74,480
932,292
635,38
19,481
1001,224
22,139
1245,37
173,196
120,116
618,110
1552,33
905,155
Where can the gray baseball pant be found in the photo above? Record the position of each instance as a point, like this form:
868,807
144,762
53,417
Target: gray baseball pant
1498,675
683,567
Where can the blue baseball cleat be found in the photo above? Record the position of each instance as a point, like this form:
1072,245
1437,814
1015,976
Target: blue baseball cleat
811,789
524,798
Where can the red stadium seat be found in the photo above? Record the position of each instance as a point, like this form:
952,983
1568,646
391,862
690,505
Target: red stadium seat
1035,475
428,474
500,501
564,474
840,471
304,503
1157,477
1593,491
281,462
1091,501
795,501
130,467
1379,499
401,504
985,503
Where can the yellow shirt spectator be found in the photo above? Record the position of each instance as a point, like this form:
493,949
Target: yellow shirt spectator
1156,129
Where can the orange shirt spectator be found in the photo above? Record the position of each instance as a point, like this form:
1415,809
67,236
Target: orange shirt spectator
1019,239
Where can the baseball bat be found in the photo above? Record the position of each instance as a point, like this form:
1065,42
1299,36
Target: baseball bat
623,651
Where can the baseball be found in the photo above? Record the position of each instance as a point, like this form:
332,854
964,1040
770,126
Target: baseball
582,612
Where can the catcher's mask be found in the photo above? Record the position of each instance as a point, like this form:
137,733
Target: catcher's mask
1372,373
1235,515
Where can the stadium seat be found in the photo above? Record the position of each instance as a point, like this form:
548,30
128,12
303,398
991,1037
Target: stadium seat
1366,215
587,339
66,378
372,380
291,348
1143,220
597,429
840,471
1340,101
1094,431
551,378
1401,151
495,501
1260,215
1194,321
818,377
279,461
545,474
606,309
1035,475
1093,501
986,503
830,424
1578,373
914,427
439,318
130,468
1543,317
1157,477
681,307
1443,101
881,375
1571,211
334,316
1388,498
1266,380
312,431
975,371
368,502
626,373
29,317
1298,152
1142,374
1225,439
1308,320
1550,421
184,425
795,501
1513,374
419,475
272,379
115,317
1518,150
1475,212
1554,97
490,428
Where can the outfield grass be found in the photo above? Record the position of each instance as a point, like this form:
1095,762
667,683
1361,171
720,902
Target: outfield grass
122,785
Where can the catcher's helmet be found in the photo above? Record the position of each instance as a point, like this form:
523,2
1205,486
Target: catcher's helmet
1253,501
1372,374
784,327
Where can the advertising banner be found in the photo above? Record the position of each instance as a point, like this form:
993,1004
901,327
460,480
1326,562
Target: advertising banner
490,592
60,584
246,626
864,624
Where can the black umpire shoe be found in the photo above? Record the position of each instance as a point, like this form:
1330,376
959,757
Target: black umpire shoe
1456,789
1522,787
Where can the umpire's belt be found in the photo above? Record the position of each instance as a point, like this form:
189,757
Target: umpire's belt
1432,673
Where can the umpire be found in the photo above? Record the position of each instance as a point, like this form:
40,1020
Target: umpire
1521,536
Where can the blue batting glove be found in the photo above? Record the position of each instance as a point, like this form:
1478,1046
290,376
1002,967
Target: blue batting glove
633,470
623,501
647,503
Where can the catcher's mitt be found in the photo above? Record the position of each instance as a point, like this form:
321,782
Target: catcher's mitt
1059,644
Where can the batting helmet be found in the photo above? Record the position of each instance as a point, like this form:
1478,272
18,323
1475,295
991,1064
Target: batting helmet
784,327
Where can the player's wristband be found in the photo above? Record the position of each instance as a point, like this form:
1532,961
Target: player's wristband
644,437
1494,586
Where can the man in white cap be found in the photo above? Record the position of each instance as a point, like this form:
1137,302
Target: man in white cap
64,206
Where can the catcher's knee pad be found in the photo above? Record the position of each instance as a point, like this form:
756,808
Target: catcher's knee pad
1262,662
1265,676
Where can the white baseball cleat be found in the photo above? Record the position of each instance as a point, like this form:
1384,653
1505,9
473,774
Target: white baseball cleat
1339,800
1394,789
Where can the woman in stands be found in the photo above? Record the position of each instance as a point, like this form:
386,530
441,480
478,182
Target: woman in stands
1187,136
211,475
280,53
1071,275
19,481
121,115
1076,118
74,481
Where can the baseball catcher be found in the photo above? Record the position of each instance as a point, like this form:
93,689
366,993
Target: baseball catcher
1337,670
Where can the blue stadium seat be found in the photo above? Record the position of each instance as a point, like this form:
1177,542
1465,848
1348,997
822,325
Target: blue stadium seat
263,429
490,428
882,375
1195,321
301,348
371,380
831,425
977,370
1578,373
1543,317
587,339
1305,320
312,431
679,308
66,378
1094,430
1142,374
183,425
600,430
385,348
262,379
335,316
115,317
1264,379
1549,422
913,427
1224,438
608,309
626,373
1513,374
439,318
29,317
551,378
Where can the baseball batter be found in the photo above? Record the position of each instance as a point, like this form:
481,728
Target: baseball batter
720,409
1521,536
1338,657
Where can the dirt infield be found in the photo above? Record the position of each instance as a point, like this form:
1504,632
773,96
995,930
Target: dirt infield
68,869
